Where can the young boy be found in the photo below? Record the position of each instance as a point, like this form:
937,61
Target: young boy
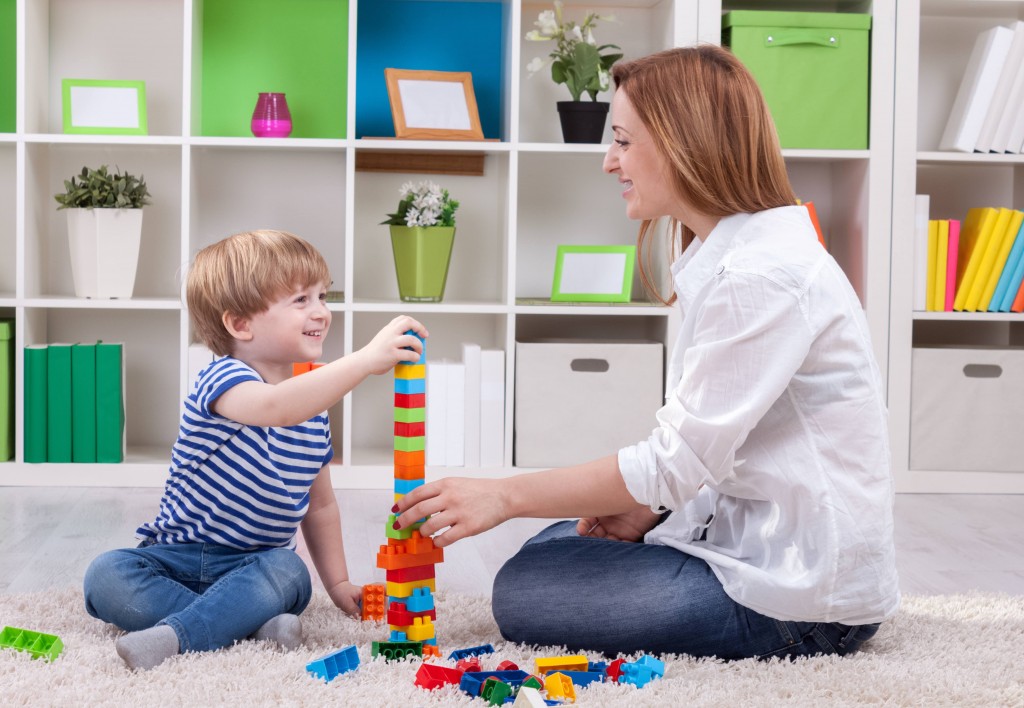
250,464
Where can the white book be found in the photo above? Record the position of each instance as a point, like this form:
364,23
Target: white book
976,90
998,107
1015,143
492,408
455,428
471,359
436,412
921,206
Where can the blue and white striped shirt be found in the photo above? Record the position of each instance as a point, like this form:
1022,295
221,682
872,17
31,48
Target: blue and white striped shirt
237,485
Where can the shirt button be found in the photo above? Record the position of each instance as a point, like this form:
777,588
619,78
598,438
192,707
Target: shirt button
719,270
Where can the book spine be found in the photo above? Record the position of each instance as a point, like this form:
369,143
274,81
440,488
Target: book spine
58,403
436,412
951,263
471,360
6,390
941,258
35,402
492,408
83,403
921,204
109,402
455,447
933,257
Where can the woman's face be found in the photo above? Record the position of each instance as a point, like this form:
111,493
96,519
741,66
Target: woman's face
640,165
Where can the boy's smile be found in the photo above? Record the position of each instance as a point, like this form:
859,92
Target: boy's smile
292,329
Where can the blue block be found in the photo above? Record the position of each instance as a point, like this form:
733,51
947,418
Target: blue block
471,651
636,674
397,636
334,664
423,356
404,486
472,681
410,385
583,678
657,666
601,666
421,600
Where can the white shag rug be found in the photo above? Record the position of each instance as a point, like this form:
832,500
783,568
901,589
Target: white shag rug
962,650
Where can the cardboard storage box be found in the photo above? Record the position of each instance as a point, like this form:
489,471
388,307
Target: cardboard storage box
813,70
965,409
576,401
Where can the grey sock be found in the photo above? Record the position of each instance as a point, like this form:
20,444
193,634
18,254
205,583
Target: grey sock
148,647
284,629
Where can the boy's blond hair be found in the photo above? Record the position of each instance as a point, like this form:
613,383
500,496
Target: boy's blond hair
242,275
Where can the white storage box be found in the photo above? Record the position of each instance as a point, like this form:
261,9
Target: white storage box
576,401
966,409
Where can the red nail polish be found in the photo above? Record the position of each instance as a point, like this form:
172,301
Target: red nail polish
394,509
395,526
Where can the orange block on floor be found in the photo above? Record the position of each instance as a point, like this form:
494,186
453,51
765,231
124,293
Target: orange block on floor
374,601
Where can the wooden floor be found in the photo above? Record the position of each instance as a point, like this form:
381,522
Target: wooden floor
48,536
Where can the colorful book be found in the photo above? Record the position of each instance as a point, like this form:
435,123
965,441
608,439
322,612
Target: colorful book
35,402
921,204
83,403
6,389
1005,246
933,257
975,232
109,402
1014,272
58,403
991,253
492,408
1018,301
951,264
977,87
941,258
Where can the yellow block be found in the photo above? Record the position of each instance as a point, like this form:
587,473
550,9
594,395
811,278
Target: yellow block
411,371
560,688
405,589
420,630
576,662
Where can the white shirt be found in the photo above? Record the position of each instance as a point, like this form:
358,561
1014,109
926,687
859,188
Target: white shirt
775,424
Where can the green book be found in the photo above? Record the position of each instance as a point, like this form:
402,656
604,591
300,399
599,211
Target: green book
109,402
83,403
6,390
58,403
35,402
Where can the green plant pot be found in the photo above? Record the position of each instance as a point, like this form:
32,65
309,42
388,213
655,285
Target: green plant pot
422,255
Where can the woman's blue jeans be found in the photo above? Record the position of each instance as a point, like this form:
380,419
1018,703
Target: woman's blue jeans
588,593
209,595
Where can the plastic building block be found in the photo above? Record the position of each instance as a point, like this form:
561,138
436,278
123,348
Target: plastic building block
614,670
430,649
410,415
529,697
397,557
410,471
410,430
37,644
423,354
373,602
470,664
636,674
473,681
417,543
301,367
408,459
601,666
420,630
404,486
408,575
405,589
411,371
431,676
584,678
657,666
533,682
559,687
411,444
410,386
400,534
508,666
335,664
576,662
495,691
471,651
399,615
396,650
410,400
398,636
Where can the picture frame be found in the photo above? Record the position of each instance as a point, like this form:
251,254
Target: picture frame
593,274
433,105
104,107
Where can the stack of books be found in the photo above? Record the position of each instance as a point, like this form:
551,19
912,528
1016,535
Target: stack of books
74,402
6,389
976,265
988,112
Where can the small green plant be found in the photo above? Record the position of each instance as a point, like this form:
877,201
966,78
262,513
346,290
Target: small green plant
100,189
423,204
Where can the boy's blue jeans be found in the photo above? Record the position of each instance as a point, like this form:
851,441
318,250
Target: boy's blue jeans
209,595
589,593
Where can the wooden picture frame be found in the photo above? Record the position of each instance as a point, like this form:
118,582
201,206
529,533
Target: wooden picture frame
433,105
101,107
593,274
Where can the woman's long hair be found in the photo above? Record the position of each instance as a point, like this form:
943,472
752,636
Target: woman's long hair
707,115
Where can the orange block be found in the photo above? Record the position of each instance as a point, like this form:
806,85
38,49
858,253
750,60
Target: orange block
301,367
396,557
410,471
431,650
374,601
408,459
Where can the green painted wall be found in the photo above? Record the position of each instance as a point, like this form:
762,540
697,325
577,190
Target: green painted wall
299,47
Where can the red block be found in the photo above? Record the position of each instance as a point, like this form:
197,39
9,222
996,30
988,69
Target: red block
410,430
399,616
431,676
508,666
410,400
470,664
407,575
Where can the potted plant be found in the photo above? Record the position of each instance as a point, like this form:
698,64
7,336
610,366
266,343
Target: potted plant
582,65
422,236
104,230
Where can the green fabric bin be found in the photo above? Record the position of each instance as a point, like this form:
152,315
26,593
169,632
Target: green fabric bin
813,70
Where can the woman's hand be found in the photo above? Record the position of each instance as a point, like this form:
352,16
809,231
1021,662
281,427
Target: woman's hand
467,506
630,526
347,597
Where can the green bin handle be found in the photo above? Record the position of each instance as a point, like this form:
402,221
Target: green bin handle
801,36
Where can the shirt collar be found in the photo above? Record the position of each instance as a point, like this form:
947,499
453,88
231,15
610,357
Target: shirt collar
698,262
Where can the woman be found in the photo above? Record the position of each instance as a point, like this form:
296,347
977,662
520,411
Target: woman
756,520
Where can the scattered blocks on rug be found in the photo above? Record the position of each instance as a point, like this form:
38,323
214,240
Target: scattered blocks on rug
39,645
374,600
559,687
471,651
528,697
431,676
547,664
334,664
396,650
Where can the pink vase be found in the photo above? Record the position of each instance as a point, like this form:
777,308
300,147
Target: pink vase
271,118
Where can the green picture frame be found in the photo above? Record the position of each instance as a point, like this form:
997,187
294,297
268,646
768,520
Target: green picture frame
593,274
102,107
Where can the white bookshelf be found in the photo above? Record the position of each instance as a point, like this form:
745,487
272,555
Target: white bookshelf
933,44
536,192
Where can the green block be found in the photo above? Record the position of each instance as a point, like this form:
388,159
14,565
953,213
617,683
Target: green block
37,644
410,415
495,691
396,651
411,444
299,48
391,532
813,69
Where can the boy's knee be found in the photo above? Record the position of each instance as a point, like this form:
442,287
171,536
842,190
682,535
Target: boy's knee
288,573
104,582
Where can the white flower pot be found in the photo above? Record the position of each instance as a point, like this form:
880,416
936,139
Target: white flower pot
104,248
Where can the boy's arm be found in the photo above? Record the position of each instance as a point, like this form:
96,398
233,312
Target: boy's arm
321,529
296,400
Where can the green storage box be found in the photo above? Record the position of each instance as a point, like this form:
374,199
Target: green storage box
813,70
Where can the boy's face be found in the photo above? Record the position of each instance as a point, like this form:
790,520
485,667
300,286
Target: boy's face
292,329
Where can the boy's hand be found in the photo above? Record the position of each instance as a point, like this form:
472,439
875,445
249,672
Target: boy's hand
347,597
392,345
